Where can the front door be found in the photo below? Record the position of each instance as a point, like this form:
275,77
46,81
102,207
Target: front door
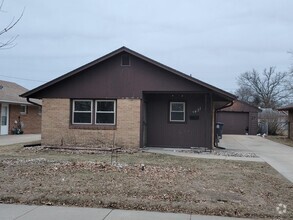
4,119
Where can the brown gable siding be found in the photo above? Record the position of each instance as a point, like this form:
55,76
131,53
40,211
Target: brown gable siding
34,93
111,80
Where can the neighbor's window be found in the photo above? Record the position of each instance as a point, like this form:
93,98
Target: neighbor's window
177,111
125,60
105,112
23,109
82,112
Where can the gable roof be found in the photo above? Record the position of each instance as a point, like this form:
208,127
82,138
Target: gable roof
286,108
10,91
125,49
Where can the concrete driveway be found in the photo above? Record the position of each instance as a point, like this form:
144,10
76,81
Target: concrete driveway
279,156
18,139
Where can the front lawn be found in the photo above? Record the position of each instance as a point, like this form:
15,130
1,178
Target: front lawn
168,183
282,140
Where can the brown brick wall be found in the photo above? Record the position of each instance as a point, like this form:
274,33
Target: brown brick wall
56,125
31,120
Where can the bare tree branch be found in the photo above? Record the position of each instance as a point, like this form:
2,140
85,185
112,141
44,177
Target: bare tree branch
268,89
10,42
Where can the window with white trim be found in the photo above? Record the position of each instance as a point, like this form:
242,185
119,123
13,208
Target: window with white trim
82,111
177,111
105,112
23,109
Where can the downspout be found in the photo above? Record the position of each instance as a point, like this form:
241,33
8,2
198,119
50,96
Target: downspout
215,116
29,101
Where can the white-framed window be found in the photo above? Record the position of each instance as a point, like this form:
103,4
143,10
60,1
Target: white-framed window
105,112
23,109
177,111
82,111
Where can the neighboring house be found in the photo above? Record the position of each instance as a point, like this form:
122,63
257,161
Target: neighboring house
271,114
289,109
15,111
272,122
240,118
127,98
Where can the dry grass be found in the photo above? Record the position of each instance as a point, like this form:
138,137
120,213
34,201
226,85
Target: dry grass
282,140
168,183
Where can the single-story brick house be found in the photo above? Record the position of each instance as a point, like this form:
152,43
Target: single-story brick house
134,98
16,112
240,118
289,108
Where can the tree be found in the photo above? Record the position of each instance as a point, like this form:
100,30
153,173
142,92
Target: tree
272,122
267,90
10,42
291,67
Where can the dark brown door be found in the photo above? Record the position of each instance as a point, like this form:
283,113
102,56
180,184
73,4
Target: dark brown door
234,122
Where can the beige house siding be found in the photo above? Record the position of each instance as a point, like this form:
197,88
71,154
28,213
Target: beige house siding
56,126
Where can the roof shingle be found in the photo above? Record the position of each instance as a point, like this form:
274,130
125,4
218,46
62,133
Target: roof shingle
10,91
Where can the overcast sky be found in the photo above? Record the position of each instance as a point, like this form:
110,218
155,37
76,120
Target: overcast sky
214,40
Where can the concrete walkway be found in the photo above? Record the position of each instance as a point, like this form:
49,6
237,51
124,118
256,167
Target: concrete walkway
279,156
18,139
25,212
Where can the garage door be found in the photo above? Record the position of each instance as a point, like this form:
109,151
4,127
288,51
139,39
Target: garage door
234,122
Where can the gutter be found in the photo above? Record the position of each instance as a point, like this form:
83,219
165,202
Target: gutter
225,106
34,103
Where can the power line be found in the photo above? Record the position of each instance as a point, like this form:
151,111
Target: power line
12,77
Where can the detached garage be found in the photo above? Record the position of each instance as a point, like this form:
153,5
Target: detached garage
240,118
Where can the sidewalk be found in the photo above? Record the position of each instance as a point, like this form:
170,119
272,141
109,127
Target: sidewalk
18,139
26,212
